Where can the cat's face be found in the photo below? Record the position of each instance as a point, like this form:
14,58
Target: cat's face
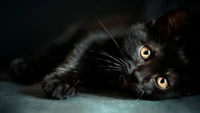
155,57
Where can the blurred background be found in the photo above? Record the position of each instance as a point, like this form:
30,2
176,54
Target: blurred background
26,24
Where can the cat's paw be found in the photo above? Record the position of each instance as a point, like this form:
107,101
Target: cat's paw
58,89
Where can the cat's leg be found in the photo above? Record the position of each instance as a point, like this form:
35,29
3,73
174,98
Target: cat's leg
32,68
64,80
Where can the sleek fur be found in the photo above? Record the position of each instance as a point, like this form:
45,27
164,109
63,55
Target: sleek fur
110,58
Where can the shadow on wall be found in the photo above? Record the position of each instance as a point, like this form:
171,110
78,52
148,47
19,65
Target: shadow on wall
26,25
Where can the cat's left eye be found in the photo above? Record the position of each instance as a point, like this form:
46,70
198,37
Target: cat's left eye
145,53
162,82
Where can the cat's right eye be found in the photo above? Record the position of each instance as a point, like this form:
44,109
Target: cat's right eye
145,53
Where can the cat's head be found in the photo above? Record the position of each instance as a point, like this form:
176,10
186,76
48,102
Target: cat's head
154,52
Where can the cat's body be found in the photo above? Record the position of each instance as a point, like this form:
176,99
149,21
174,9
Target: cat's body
148,59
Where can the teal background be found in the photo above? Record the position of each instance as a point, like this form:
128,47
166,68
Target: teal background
15,98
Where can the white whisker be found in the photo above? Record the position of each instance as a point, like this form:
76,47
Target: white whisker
111,38
111,69
108,61
116,58
109,66
122,61
110,56
139,97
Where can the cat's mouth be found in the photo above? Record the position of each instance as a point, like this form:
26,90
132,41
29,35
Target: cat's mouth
126,82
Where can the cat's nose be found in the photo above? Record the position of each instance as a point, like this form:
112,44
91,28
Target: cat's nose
134,77
141,75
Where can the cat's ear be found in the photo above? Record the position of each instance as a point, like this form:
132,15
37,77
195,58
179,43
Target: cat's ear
173,21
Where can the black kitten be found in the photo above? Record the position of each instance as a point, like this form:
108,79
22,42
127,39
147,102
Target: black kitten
149,59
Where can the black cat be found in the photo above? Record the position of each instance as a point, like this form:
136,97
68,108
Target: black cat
151,59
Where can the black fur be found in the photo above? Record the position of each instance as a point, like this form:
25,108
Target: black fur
110,58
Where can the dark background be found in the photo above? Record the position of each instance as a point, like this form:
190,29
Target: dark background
26,24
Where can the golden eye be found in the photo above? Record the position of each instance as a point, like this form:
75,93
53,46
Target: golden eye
162,82
145,53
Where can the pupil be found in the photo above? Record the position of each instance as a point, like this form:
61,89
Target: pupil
162,81
146,52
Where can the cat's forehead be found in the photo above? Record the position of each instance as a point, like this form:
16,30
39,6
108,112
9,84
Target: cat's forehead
139,31
139,28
